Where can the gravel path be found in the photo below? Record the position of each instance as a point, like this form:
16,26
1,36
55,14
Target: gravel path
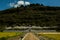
30,36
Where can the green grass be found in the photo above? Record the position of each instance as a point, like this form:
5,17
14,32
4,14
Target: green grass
54,36
9,34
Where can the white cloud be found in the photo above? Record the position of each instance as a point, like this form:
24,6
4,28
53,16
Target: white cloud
19,3
11,4
27,3
16,6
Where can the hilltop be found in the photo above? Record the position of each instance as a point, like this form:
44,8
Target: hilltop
34,14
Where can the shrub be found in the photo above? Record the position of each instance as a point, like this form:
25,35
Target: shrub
3,38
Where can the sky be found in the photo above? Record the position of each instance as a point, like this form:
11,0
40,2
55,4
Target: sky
5,4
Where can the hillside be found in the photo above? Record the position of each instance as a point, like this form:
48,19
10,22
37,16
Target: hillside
34,14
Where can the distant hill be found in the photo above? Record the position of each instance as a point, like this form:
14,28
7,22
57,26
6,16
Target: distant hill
34,14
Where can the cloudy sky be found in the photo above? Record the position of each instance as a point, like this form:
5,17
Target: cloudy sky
19,3
4,4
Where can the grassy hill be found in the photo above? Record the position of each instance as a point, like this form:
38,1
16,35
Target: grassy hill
34,14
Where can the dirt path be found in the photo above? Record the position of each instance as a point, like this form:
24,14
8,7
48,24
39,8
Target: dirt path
30,36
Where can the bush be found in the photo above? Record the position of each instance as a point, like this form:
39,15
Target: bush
3,38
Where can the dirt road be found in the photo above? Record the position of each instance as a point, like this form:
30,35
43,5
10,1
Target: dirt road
30,36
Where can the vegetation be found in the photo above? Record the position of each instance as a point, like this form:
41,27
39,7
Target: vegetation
9,34
6,35
52,36
3,38
34,14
